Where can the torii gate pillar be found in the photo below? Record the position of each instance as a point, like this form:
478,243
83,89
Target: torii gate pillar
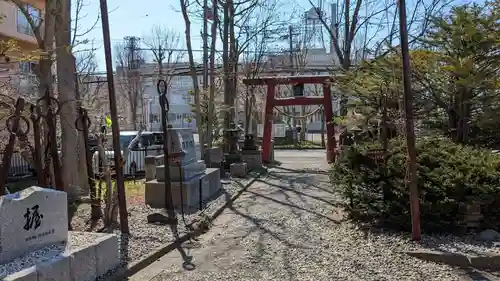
272,101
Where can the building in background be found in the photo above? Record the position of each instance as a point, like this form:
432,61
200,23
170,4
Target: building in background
142,83
14,27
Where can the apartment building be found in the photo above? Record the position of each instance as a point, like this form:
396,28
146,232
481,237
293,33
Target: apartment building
149,110
14,27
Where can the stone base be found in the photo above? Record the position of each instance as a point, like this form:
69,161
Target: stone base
210,185
238,170
188,171
230,158
253,158
80,262
216,154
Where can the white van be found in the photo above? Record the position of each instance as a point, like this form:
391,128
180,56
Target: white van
150,143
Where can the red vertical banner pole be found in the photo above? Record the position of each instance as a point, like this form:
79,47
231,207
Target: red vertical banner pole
331,142
268,124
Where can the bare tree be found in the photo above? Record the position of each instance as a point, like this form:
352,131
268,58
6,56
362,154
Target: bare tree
89,87
166,47
194,76
57,28
345,24
130,82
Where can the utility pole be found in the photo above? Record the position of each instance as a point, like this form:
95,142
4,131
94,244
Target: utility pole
411,181
133,60
290,40
115,130
205,45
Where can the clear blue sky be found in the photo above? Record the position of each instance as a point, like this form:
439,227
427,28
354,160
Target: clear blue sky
135,18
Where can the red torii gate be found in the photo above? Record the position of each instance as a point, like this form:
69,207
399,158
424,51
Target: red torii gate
272,101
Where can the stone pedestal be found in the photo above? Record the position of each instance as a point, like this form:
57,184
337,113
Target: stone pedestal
253,159
190,180
250,153
36,246
238,170
216,155
202,188
185,172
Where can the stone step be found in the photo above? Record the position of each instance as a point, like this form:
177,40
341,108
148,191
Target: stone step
86,257
210,185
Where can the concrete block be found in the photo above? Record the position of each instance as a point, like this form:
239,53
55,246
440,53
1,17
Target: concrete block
238,169
107,254
83,263
150,164
57,269
253,159
187,172
216,154
212,179
209,181
28,274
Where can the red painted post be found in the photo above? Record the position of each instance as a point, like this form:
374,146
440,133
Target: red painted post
268,123
331,142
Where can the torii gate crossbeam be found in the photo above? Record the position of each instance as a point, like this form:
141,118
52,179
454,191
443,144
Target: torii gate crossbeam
272,101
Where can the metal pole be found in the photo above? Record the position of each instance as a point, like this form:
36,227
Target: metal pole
115,130
205,45
167,147
410,134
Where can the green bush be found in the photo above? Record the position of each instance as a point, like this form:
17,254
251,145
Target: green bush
450,176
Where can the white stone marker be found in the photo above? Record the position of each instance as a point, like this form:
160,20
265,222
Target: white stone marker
31,219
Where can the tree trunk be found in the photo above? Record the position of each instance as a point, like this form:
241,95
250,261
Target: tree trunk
225,62
194,77
72,168
213,31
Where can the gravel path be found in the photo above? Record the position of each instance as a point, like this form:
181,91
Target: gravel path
145,237
285,227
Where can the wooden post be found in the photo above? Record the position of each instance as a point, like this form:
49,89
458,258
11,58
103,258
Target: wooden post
122,199
331,142
410,133
268,124
37,159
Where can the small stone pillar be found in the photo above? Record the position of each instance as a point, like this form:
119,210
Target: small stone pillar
473,216
150,167
238,170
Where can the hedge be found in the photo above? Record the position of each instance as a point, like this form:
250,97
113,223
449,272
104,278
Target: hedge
450,177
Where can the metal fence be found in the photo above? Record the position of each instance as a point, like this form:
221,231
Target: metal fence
134,164
19,168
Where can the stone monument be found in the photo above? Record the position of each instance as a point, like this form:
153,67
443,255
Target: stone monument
189,176
32,219
35,244
250,152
